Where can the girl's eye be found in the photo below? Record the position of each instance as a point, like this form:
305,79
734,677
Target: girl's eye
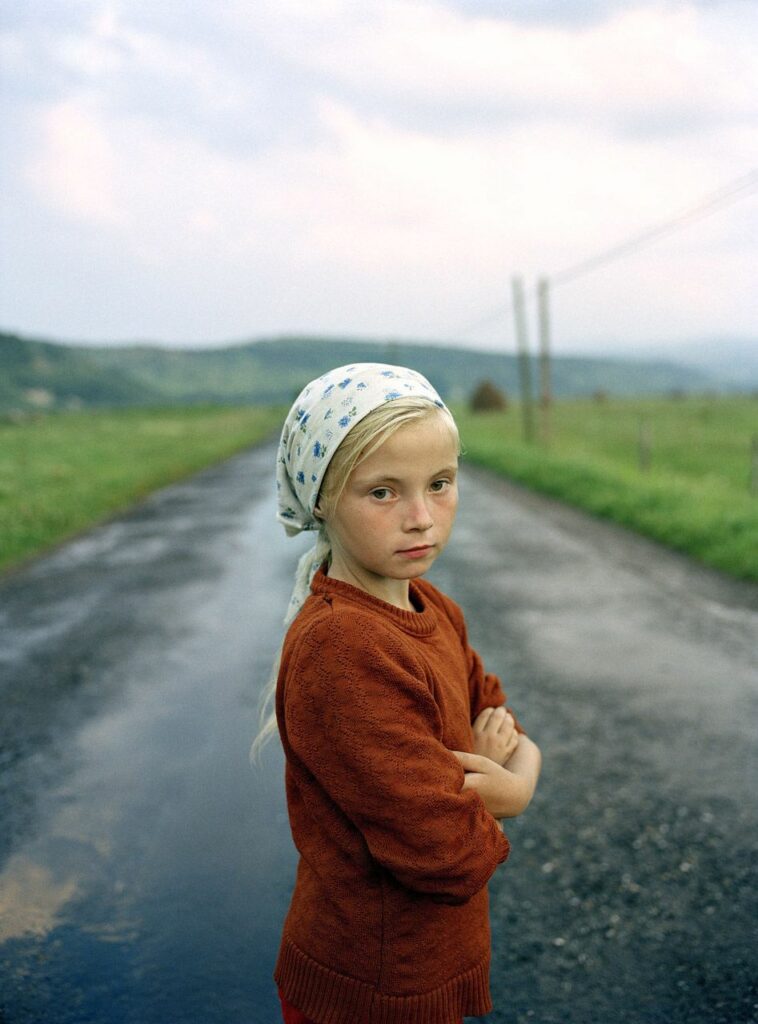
440,485
380,493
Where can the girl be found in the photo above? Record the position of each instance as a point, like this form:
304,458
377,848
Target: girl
399,753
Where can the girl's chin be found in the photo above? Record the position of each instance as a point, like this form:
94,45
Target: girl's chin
416,566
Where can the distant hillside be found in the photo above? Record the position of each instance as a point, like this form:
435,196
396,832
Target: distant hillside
42,375
46,375
730,361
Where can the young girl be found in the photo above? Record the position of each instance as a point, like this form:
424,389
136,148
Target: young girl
399,753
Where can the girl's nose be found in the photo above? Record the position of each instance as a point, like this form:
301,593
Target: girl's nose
418,516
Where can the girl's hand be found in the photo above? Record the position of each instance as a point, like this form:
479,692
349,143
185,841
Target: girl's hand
495,735
505,794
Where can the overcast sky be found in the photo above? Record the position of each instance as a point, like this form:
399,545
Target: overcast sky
213,170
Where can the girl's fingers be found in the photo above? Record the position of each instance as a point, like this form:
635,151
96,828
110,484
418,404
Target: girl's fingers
473,762
483,719
506,722
463,755
490,719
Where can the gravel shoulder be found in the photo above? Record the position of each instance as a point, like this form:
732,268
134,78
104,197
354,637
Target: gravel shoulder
630,894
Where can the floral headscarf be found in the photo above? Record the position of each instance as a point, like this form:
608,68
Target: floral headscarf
323,413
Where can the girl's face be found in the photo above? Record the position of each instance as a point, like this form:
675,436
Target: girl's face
396,512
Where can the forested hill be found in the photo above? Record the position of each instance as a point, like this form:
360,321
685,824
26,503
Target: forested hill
49,375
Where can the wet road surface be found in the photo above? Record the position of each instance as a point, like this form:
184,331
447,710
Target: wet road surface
145,868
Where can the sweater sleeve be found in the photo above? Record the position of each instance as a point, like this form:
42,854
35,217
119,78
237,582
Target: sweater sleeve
364,722
485,690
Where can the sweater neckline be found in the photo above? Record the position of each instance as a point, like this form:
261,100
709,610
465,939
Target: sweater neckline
421,622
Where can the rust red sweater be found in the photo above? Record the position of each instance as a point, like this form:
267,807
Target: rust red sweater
389,919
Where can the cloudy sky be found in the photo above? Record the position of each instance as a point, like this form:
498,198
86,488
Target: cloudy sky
190,171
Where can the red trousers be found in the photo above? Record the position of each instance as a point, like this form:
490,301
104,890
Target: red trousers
290,1015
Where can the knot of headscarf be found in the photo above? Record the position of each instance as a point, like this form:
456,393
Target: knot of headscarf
323,413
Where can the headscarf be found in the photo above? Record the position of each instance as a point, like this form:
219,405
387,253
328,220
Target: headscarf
323,413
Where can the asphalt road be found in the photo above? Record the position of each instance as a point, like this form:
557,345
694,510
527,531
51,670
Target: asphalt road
145,868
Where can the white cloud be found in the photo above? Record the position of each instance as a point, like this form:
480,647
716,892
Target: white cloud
382,205
75,169
640,57
111,44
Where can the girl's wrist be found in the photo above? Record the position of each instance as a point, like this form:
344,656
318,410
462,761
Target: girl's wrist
515,796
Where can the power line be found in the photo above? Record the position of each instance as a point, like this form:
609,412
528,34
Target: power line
484,321
740,188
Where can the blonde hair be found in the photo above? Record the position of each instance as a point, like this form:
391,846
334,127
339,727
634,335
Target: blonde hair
362,440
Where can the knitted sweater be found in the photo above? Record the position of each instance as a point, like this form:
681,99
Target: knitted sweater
389,920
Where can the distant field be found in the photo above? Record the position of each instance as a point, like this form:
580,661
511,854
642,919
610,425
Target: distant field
694,497
65,471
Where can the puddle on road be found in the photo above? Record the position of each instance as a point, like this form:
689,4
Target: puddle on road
31,898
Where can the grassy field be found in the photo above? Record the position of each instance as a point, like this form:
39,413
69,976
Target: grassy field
695,496
62,472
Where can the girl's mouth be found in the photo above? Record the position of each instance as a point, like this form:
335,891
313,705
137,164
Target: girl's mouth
418,552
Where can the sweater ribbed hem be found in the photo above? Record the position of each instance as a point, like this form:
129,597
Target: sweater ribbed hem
329,997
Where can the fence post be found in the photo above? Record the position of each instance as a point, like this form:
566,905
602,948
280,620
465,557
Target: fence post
644,445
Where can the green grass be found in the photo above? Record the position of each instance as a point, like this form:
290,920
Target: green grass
695,496
63,472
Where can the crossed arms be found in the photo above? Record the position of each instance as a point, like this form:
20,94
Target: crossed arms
505,765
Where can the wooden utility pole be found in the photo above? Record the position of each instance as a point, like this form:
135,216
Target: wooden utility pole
522,343
546,392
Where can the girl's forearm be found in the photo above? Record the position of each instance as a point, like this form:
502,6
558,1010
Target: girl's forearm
505,789
526,760
523,768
